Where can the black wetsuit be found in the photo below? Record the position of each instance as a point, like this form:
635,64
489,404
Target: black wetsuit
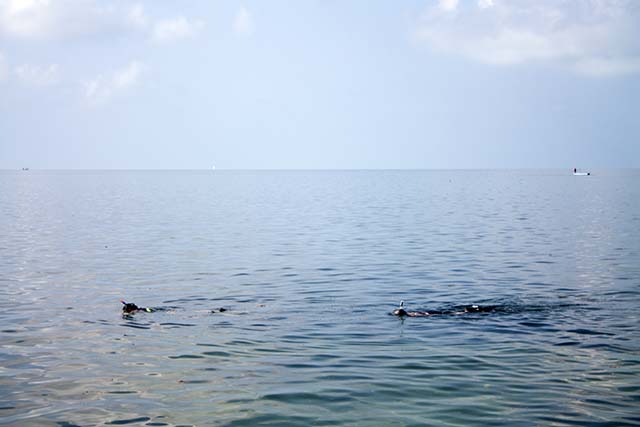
401,312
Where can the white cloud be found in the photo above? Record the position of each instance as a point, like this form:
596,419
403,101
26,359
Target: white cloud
136,17
45,19
35,75
102,88
591,37
168,30
128,76
63,19
243,22
25,18
448,5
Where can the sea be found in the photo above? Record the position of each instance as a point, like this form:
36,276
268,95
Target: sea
308,267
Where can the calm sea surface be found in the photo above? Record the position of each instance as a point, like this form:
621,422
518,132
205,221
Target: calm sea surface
309,265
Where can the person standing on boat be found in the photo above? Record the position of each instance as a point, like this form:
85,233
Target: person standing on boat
575,170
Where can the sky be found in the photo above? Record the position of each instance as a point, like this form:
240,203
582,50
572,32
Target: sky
331,84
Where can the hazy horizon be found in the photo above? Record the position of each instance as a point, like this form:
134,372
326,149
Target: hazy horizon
565,169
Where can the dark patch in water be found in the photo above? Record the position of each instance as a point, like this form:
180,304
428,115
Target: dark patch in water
187,356
534,324
176,324
536,284
299,397
297,365
566,344
135,326
129,421
216,353
589,332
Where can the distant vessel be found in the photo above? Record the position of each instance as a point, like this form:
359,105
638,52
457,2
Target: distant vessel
25,169
576,173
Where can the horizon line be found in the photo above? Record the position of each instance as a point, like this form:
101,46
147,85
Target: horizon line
315,169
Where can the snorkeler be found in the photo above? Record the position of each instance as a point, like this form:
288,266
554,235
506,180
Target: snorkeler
401,312
129,308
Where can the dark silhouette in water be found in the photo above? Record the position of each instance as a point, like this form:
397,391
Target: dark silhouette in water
462,309
130,308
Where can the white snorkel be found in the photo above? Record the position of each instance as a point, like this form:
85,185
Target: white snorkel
400,311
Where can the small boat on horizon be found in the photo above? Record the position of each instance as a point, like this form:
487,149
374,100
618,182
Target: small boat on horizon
576,173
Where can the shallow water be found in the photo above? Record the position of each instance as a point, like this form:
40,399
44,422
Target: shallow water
309,265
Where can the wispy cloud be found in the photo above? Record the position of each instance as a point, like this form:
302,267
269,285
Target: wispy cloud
168,30
136,17
591,37
47,19
35,75
63,19
103,87
243,23
25,18
448,5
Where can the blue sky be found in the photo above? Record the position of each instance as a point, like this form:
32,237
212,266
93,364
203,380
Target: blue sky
319,84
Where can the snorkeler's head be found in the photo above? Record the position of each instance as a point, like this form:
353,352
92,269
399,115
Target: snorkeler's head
400,311
129,307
